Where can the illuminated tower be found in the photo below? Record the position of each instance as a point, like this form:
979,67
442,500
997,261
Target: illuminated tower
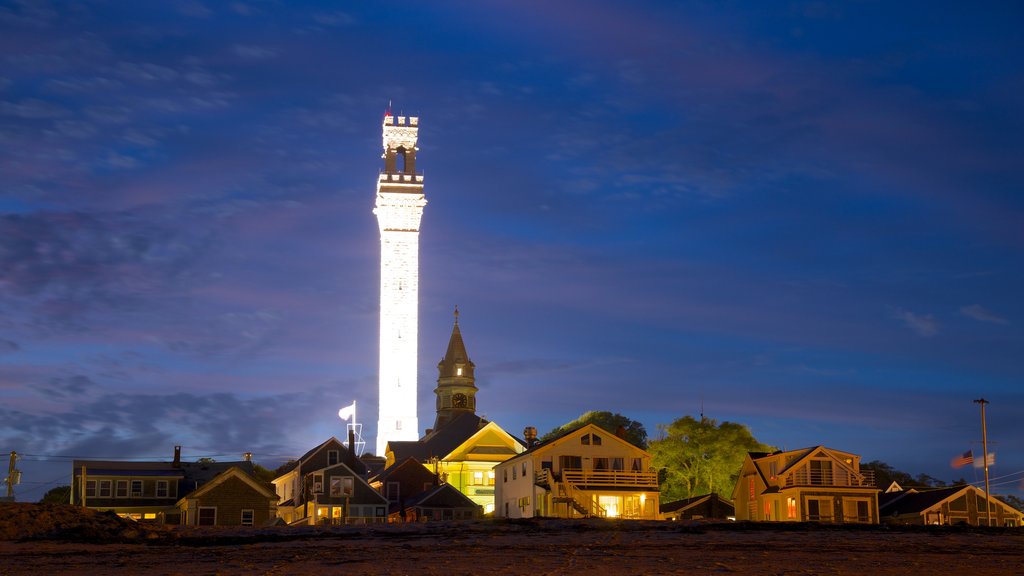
399,207
456,388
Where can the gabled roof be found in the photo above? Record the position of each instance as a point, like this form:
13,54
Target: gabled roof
396,468
686,503
571,433
798,457
231,472
443,496
308,455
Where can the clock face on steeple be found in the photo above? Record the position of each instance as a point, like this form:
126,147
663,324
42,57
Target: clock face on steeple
459,400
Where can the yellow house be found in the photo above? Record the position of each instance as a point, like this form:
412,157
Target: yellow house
816,484
462,448
586,472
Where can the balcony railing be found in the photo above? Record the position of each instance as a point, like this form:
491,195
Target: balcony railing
831,478
583,478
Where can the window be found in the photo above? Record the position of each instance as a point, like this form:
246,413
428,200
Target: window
504,475
767,509
458,371
750,488
585,440
478,478
247,517
772,470
490,477
398,425
570,462
524,469
207,516
513,472
791,508
637,465
600,463
104,488
597,440
318,483
332,457
136,488
335,486
161,489
821,472
379,512
618,464
121,489
393,491
90,488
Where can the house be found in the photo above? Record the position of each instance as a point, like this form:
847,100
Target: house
462,448
403,481
585,472
443,502
708,506
231,498
816,484
964,504
146,491
328,485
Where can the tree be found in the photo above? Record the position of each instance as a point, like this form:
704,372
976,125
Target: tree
1014,501
58,495
696,457
634,432
885,475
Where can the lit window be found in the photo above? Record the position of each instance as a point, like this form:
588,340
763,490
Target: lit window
458,371
398,425
478,478
490,477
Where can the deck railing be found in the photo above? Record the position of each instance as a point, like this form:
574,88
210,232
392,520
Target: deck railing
583,478
806,477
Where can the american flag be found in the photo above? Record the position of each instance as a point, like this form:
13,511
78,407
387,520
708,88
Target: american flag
963,460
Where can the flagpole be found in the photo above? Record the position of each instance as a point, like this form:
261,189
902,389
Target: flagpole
984,447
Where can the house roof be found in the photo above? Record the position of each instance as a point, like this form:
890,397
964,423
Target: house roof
441,442
386,473
680,505
305,457
570,432
443,496
191,472
225,475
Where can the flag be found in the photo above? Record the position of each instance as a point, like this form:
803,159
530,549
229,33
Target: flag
962,460
347,412
991,461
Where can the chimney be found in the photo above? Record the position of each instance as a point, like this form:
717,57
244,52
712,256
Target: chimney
177,457
530,434
350,459
247,456
428,431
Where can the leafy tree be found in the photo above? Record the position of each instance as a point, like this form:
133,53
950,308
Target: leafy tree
696,457
263,474
885,475
58,495
634,432
1014,501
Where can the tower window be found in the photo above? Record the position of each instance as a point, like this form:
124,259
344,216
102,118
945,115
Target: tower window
458,371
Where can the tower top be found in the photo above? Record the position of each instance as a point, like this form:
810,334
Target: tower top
456,388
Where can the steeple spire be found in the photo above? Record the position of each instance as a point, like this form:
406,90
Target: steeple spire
456,388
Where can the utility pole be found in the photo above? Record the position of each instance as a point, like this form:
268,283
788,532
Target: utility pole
984,448
12,476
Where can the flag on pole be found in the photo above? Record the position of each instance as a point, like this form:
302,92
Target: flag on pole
963,460
991,461
347,412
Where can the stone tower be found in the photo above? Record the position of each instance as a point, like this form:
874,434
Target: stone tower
456,388
399,208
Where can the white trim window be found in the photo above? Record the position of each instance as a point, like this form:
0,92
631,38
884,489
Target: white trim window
207,516
248,517
121,489
136,488
105,489
161,489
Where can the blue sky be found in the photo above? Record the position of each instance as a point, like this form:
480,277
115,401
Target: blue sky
805,217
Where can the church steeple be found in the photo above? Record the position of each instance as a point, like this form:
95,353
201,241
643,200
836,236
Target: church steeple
456,388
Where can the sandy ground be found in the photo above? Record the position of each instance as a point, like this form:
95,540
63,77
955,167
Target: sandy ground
534,547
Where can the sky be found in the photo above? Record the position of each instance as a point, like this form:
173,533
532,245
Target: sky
806,217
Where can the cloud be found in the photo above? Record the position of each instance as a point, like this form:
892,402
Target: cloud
62,265
66,387
8,346
251,52
981,314
925,326
32,109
